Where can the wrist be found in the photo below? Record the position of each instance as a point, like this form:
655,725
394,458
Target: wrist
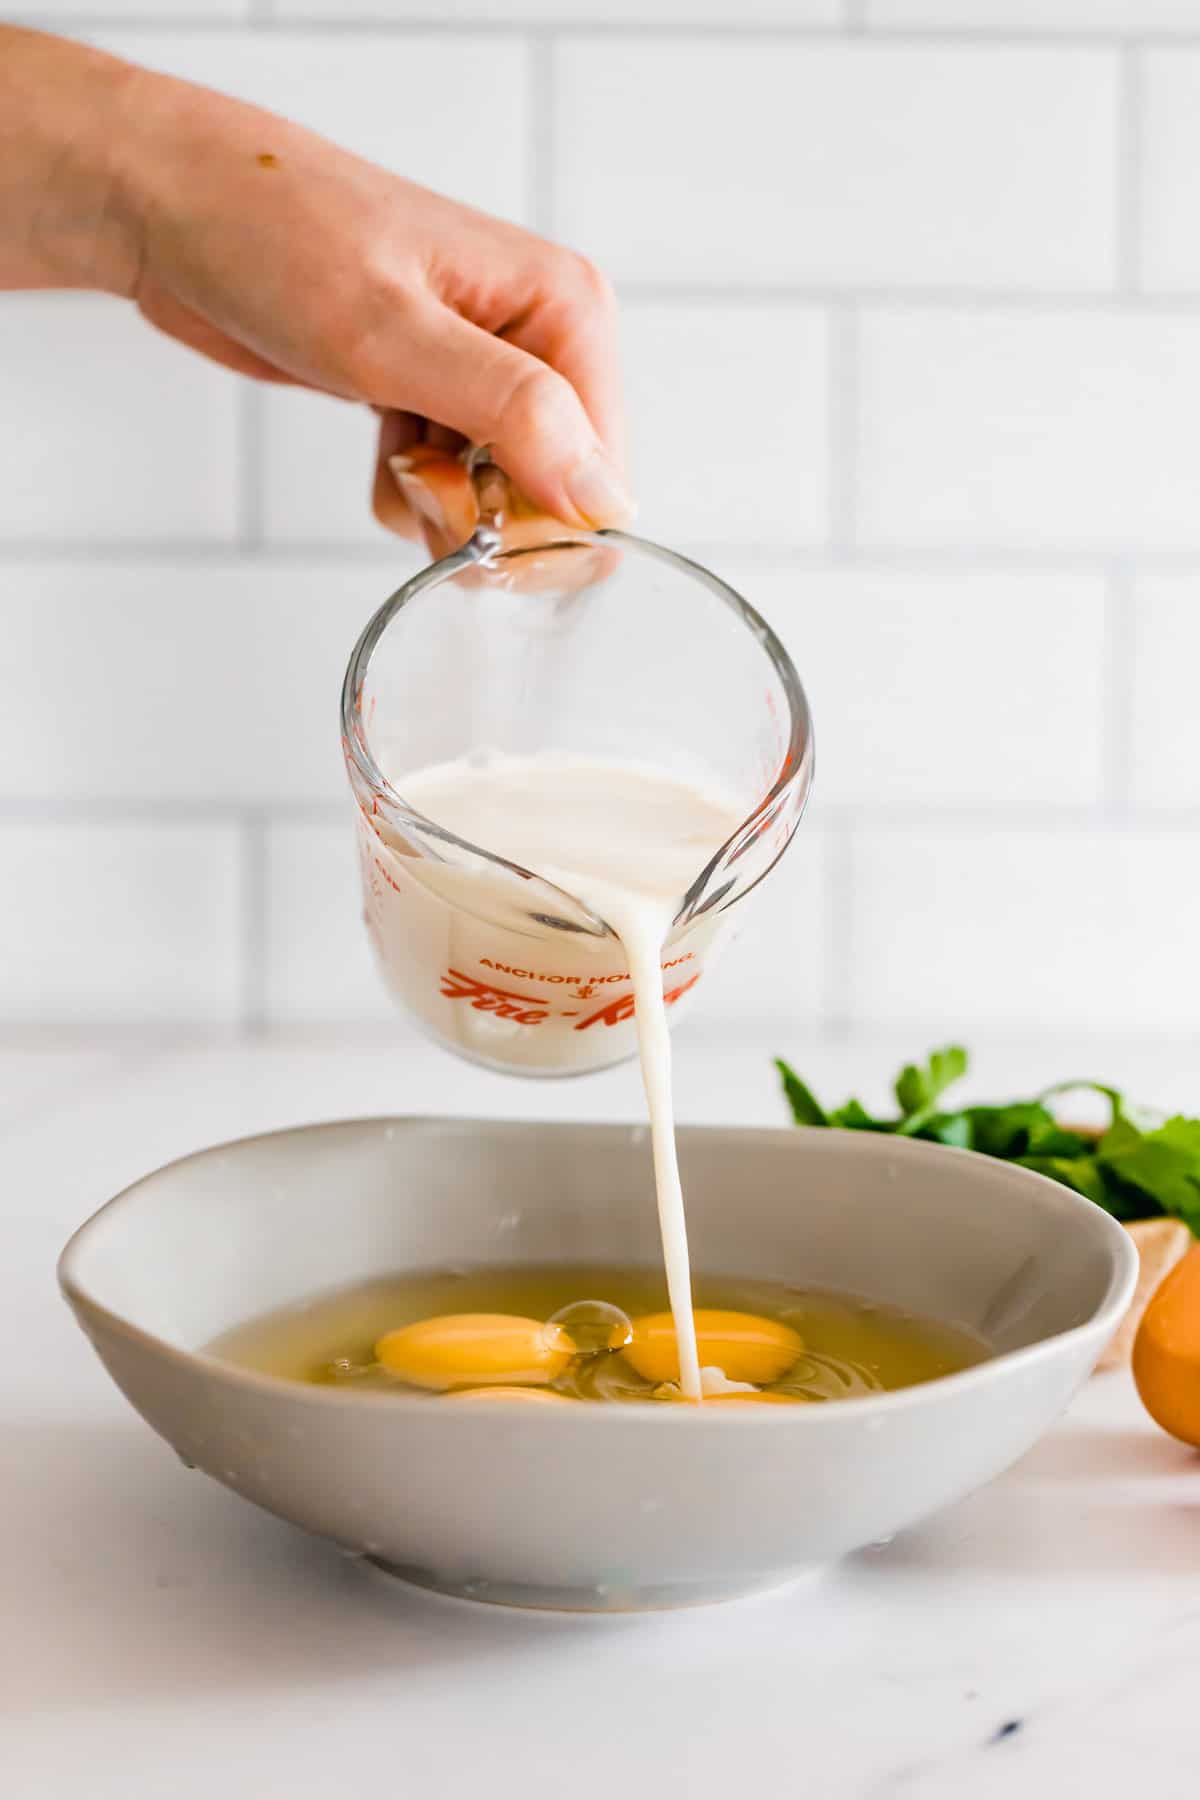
66,212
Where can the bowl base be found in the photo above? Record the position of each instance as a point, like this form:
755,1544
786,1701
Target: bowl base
602,1598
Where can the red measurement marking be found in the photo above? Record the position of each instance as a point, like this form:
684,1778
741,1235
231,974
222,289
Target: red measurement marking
585,985
483,997
390,879
617,1011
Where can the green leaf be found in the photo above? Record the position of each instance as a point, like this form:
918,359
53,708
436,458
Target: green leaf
806,1110
1006,1131
919,1087
1122,1135
1055,1140
1125,1203
1162,1164
855,1117
953,1129
1080,1173
1140,1168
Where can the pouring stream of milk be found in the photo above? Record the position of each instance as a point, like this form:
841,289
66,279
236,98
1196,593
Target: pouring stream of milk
628,842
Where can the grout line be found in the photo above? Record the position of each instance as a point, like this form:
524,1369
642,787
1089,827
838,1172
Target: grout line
344,22
253,934
25,809
835,1004
141,1038
541,138
1034,300
761,1032
843,432
1031,814
1120,635
227,552
250,459
735,292
1129,150
932,560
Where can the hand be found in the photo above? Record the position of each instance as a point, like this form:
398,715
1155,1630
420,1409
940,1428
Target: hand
282,256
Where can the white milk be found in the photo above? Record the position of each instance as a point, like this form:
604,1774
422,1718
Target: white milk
455,944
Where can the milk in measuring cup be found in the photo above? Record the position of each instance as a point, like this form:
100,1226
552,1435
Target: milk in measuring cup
626,841
457,945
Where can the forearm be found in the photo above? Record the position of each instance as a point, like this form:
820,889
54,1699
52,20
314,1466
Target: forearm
259,244
64,217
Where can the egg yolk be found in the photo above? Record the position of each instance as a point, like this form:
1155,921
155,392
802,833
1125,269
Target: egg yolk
475,1350
743,1346
509,1393
756,1400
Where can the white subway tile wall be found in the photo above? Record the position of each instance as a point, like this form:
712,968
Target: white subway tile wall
1003,929
317,962
316,465
202,679
1075,429
706,377
954,689
838,163
1100,16
1164,747
65,14
135,922
557,12
108,432
1170,250
912,359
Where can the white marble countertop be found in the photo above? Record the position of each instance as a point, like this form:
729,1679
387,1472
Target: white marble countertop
162,1637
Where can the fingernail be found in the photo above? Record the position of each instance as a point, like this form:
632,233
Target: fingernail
400,465
596,490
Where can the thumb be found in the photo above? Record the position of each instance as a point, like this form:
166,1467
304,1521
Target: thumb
529,416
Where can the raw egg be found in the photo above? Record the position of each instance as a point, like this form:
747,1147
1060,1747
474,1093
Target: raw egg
475,1350
509,1393
756,1400
743,1346
1166,1352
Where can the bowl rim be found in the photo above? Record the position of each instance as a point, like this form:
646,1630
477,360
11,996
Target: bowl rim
1102,1323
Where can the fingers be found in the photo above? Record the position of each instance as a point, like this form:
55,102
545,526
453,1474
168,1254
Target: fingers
421,489
438,490
398,432
574,329
497,394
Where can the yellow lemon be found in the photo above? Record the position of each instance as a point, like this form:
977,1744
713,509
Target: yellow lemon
473,1350
743,1346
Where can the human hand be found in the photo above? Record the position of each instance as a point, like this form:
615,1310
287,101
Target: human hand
280,255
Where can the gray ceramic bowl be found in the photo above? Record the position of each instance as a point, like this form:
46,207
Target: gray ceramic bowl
595,1507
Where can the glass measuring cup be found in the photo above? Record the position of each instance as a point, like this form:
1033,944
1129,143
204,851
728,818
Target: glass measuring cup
598,645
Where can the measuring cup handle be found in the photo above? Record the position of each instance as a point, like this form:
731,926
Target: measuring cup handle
507,520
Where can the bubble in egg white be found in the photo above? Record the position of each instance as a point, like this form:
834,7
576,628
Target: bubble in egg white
594,1326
